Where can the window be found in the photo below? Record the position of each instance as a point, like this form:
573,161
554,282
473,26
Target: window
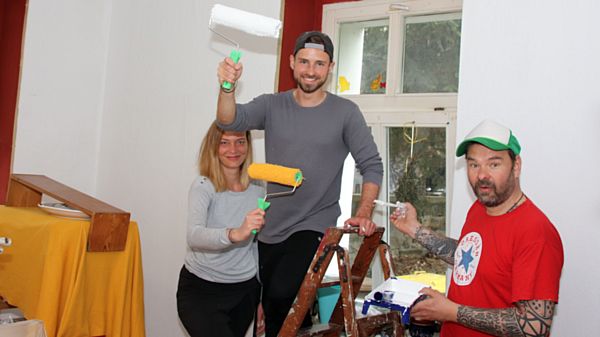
399,62
417,172
362,70
431,51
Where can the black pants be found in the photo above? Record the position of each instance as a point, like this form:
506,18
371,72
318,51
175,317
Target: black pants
209,309
282,270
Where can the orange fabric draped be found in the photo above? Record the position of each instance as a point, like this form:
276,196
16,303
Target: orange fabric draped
48,273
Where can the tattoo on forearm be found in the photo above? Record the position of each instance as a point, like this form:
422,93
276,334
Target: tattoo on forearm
527,319
497,322
443,247
535,317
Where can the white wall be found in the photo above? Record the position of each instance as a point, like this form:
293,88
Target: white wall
61,90
115,98
161,91
533,66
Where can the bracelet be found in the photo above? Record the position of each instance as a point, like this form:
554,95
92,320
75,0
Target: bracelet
228,91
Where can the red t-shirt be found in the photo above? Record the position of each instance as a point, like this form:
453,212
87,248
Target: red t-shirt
503,259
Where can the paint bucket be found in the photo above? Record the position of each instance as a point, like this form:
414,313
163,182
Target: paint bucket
327,298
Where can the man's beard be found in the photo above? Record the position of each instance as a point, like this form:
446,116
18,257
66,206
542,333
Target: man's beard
495,196
307,89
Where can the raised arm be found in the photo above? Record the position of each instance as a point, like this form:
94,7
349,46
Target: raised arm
230,72
441,246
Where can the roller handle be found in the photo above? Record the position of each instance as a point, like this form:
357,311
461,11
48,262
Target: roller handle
262,204
235,55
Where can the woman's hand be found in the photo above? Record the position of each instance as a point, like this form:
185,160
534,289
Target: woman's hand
254,220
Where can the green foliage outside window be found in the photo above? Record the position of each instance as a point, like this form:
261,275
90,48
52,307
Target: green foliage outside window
417,159
431,55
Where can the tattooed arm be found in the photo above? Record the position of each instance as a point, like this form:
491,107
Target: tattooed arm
531,318
440,245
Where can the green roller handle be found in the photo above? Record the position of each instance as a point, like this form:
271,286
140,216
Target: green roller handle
235,55
262,204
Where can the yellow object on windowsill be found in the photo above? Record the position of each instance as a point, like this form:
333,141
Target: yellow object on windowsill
436,281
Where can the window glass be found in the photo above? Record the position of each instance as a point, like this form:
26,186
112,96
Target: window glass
417,174
431,53
416,169
362,57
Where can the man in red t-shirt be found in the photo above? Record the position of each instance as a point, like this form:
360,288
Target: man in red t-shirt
507,262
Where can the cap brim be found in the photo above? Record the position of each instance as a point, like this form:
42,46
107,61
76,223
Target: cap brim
487,142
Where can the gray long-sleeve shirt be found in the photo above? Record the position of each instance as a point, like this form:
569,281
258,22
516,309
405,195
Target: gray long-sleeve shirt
316,140
211,256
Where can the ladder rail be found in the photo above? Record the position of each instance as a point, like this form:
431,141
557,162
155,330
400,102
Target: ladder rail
351,279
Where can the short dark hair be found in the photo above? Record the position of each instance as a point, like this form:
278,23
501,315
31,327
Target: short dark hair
512,155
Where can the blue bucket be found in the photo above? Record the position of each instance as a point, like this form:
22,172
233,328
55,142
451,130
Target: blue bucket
327,298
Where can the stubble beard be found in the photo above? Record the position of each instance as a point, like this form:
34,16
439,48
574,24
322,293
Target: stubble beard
309,89
495,196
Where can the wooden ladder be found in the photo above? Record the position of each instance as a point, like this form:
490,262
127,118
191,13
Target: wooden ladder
343,318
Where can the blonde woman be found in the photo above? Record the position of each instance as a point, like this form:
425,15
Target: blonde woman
218,291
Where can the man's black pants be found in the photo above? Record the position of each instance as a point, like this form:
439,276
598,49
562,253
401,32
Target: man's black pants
282,269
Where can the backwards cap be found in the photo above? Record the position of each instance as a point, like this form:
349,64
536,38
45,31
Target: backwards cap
491,135
303,41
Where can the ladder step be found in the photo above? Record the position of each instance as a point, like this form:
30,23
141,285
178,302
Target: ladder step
329,329
371,324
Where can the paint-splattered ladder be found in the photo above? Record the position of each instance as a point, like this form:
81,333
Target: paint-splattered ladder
344,317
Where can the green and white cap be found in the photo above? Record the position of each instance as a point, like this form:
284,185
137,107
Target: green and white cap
491,135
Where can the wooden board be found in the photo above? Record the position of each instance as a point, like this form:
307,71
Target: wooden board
108,227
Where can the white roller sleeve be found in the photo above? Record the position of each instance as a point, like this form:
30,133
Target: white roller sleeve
245,21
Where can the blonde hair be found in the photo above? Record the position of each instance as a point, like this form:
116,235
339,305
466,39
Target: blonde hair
208,159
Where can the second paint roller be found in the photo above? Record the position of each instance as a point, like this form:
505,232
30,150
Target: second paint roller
244,21
275,174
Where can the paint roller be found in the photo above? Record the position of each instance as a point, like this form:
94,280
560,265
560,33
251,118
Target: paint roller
275,174
241,20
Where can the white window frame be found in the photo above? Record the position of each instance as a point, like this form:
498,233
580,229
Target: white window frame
395,109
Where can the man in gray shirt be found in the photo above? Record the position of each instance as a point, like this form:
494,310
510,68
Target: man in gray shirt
313,130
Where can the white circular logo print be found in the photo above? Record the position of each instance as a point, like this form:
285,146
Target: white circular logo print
466,259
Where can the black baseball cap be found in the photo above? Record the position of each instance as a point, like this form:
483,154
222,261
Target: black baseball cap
313,39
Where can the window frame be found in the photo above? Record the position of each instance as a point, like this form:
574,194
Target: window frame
338,13
393,108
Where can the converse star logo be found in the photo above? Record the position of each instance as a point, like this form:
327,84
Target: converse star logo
466,259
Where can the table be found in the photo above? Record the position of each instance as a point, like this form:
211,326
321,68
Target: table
49,274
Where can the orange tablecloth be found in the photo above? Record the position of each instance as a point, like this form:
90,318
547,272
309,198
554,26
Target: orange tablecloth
49,275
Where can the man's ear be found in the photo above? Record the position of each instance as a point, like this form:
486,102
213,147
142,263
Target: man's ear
292,62
517,167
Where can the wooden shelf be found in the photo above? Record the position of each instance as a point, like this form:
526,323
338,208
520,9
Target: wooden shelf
108,224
